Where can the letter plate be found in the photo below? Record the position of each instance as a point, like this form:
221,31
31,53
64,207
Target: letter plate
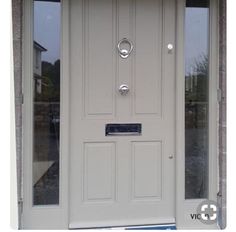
123,129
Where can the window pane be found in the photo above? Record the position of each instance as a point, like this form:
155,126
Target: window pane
196,98
46,102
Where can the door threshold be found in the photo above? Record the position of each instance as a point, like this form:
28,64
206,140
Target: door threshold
148,227
140,227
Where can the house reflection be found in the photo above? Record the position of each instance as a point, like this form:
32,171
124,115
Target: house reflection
38,49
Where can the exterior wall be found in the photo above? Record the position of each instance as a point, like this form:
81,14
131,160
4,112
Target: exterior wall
17,53
222,113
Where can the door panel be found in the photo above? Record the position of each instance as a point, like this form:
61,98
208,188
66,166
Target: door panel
146,170
99,57
121,180
147,34
99,172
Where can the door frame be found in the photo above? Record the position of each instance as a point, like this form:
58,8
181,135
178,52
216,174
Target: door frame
186,207
57,217
52,216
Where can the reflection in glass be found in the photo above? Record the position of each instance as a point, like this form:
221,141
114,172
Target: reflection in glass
46,102
196,98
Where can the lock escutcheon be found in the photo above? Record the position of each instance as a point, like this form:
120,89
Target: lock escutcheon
124,89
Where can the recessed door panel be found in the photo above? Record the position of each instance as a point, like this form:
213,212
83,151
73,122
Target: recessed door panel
99,55
146,170
99,172
147,29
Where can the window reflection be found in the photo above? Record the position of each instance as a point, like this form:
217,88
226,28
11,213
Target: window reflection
196,99
46,102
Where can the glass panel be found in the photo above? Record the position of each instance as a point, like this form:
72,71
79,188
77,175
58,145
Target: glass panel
46,102
196,98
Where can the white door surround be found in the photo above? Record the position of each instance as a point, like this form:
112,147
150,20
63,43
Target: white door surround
65,214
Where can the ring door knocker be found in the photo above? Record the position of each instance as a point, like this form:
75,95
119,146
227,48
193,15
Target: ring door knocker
123,52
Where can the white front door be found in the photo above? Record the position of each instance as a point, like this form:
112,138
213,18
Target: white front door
122,174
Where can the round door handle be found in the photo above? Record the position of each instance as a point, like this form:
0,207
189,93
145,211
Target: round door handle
124,89
170,48
123,52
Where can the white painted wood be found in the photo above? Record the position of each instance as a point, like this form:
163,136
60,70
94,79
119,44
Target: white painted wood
40,168
180,114
185,207
99,172
146,171
213,99
121,180
44,217
98,58
145,35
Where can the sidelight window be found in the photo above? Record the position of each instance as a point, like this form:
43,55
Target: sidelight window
46,102
196,98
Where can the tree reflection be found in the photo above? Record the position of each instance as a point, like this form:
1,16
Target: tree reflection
50,82
196,129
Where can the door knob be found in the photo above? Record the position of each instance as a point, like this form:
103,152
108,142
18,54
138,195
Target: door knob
124,89
170,47
124,52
